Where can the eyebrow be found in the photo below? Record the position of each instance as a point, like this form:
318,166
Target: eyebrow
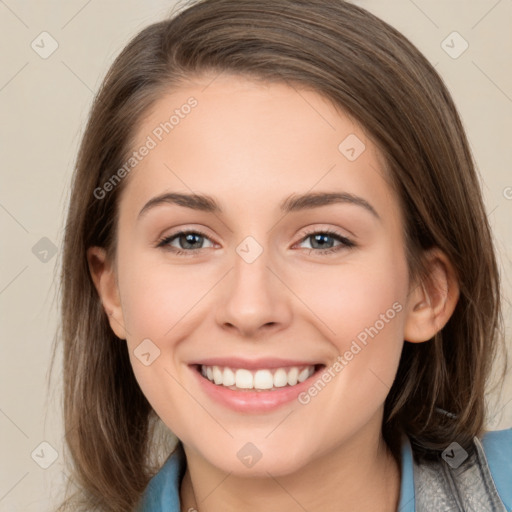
294,203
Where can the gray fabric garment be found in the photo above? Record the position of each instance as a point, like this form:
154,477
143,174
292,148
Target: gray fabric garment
439,486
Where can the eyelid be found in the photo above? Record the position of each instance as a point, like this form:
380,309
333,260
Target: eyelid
183,231
323,229
331,232
344,242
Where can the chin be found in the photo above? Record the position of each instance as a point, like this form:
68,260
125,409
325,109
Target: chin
259,458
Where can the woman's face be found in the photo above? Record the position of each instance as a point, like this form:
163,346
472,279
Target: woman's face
295,264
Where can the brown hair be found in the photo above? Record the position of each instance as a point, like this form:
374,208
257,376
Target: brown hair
367,69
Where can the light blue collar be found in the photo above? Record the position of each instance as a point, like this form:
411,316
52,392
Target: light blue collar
162,492
407,498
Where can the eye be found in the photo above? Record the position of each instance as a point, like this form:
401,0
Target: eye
188,240
191,241
322,239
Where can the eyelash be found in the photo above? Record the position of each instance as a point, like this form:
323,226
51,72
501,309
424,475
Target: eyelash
345,242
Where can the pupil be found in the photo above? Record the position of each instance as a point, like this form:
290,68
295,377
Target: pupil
321,238
190,238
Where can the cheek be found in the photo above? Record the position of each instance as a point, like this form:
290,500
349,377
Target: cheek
158,302
352,296
342,300
159,297
361,308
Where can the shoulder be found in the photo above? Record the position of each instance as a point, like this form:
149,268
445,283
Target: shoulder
497,446
457,479
162,492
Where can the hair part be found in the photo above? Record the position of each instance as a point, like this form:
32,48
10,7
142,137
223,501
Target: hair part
368,70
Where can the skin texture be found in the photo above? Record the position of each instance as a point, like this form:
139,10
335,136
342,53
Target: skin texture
250,146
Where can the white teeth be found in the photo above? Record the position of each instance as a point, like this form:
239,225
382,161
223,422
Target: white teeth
244,379
263,380
259,379
217,375
280,378
292,376
228,378
303,375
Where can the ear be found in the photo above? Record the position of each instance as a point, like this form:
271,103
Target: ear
104,278
432,302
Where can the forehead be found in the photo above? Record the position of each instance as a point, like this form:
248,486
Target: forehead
252,144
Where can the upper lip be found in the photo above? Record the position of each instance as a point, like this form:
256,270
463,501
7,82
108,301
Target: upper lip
253,364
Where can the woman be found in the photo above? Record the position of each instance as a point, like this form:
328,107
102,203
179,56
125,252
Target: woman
294,377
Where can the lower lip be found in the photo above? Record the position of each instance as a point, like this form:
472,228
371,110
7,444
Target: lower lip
250,400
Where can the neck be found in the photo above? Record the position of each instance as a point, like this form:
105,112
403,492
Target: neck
360,475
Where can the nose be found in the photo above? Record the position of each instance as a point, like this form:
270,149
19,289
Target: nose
255,299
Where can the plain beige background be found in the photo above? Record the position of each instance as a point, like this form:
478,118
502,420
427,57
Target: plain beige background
44,104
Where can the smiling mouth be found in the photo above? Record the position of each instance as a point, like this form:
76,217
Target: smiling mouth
242,379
